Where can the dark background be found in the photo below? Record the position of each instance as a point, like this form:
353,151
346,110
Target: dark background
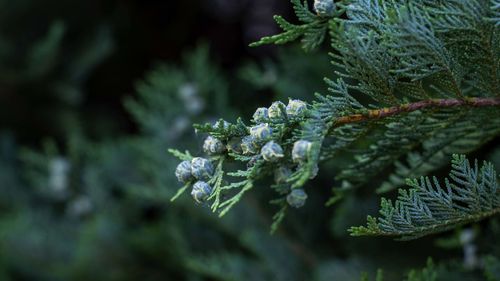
141,33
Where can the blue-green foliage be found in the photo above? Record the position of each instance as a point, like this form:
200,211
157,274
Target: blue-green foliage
312,30
387,43
470,194
386,54
495,6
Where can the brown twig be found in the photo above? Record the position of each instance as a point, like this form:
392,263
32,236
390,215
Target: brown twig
409,107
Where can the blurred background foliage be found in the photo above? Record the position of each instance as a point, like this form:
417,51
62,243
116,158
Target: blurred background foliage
92,93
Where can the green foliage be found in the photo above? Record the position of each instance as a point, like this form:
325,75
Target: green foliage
312,30
386,44
469,195
418,81
492,268
428,273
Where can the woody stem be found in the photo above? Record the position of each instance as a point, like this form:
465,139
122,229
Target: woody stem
409,107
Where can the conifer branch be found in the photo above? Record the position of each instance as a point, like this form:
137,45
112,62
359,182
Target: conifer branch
469,195
429,67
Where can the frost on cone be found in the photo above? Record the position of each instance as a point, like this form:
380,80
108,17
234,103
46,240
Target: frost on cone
201,191
275,111
296,108
261,132
272,152
183,171
213,146
260,115
324,8
201,168
300,151
297,198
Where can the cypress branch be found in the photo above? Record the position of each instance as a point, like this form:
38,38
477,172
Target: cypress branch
470,194
442,56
